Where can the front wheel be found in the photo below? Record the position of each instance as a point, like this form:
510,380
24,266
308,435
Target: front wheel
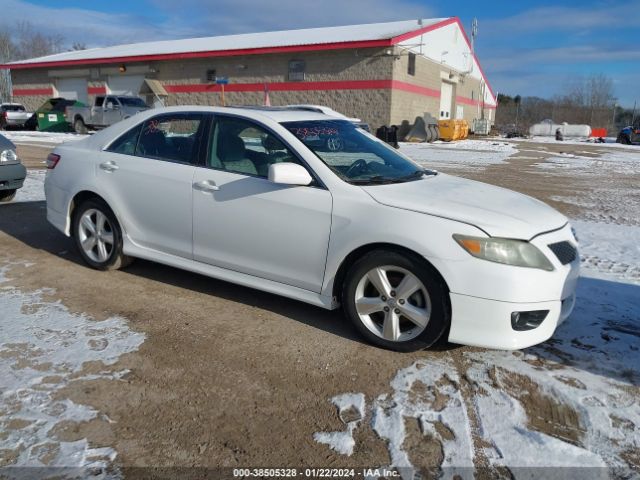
98,236
7,195
396,301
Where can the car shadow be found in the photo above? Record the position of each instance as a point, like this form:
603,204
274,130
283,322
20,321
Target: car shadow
26,222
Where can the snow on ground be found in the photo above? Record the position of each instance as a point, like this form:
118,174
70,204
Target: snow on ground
25,137
32,190
610,142
614,162
43,349
469,153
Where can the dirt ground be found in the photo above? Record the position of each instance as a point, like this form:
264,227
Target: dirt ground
234,377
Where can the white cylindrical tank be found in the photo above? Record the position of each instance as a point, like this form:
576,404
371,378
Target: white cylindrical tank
548,129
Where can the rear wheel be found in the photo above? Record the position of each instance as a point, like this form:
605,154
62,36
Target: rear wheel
80,127
396,301
7,195
98,236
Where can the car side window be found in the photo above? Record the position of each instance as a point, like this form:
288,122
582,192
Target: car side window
99,101
126,144
241,146
172,137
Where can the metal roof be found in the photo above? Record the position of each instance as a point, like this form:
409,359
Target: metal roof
375,34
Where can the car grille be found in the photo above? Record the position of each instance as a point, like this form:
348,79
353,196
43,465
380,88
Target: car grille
565,252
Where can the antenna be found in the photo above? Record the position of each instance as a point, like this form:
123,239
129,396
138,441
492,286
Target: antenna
474,34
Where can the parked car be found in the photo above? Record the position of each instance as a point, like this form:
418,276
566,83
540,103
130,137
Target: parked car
332,113
106,110
12,172
13,115
245,195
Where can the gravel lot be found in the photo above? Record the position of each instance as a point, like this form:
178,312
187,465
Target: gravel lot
172,369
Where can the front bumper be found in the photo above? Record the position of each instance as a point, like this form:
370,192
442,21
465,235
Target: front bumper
12,176
486,322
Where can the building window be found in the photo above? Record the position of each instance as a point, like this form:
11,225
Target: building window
296,70
211,76
411,68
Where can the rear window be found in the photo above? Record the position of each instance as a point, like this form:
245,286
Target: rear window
132,102
13,108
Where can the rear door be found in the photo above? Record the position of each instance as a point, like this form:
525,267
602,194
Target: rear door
246,223
148,174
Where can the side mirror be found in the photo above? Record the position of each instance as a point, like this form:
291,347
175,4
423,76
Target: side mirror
287,173
109,106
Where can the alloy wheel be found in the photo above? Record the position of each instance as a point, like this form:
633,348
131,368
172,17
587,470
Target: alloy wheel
393,303
95,233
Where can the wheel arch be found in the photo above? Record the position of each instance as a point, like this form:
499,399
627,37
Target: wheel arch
359,252
81,197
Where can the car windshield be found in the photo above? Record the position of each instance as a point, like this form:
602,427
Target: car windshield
132,102
354,155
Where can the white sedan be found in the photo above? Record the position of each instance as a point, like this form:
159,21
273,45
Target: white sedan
254,196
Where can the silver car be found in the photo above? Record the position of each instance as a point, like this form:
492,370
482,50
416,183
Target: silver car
12,172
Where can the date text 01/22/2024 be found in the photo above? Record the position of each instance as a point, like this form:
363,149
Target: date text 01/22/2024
314,473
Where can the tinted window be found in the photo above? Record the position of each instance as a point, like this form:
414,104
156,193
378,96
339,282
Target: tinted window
99,101
132,102
13,108
126,144
241,146
172,137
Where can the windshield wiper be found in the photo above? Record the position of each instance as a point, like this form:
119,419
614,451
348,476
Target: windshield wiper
376,179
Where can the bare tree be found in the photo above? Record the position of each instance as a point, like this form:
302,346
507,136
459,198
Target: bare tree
20,42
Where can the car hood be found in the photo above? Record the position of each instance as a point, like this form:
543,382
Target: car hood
497,211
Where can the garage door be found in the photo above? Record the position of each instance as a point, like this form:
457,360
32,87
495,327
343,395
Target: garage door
73,89
125,84
446,97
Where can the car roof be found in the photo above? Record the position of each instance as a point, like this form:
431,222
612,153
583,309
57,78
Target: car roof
277,114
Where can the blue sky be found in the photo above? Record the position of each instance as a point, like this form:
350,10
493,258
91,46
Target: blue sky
526,48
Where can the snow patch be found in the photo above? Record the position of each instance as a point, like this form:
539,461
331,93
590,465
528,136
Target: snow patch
351,410
44,347
55,138
463,154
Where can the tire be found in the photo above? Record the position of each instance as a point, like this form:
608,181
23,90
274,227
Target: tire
7,195
105,252
80,127
428,302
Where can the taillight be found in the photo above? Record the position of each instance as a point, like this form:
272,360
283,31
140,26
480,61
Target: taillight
4,114
52,161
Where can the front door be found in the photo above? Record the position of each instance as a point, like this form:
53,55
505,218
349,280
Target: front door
244,222
148,173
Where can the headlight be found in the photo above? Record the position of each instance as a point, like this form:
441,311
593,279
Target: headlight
8,156
503,250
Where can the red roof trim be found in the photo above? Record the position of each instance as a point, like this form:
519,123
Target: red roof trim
444,23
423,30
97,90
212,53
245,51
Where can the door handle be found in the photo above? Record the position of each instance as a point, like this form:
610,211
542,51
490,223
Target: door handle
109,166
206,186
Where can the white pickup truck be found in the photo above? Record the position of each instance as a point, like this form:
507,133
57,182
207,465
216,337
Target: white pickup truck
13,115
106,110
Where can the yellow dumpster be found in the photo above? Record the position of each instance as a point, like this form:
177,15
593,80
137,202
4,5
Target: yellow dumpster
447,130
